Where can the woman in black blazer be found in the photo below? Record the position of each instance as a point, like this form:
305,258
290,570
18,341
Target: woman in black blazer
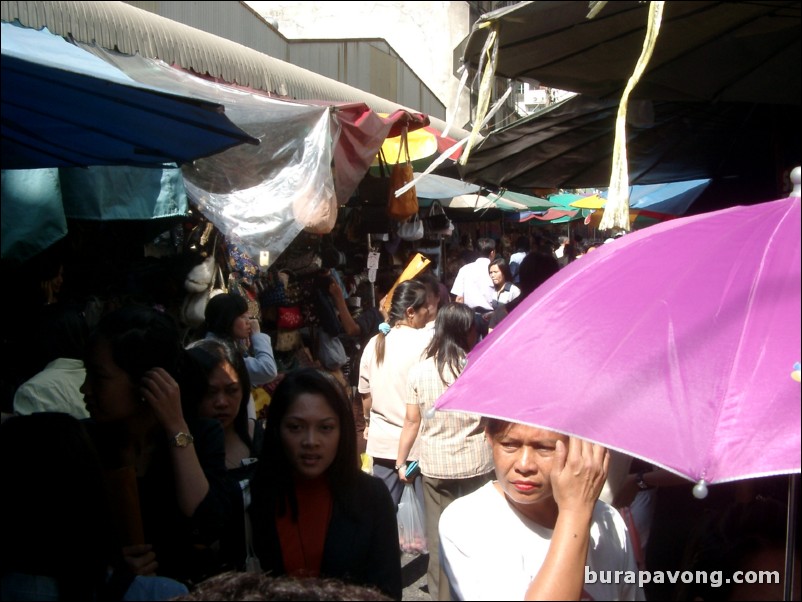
314,512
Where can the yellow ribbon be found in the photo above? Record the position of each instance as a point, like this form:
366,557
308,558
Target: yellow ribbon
616,211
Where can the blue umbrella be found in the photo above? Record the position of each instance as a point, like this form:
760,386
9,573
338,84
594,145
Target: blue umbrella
62,107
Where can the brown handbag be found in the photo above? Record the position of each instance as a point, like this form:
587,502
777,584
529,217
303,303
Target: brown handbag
402,207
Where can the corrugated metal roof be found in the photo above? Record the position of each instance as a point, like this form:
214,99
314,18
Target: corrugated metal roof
119,26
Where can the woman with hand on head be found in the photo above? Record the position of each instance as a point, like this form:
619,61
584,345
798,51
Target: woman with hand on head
543,530
314,512
227,319
142,391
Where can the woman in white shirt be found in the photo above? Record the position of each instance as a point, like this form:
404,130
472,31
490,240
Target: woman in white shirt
383,371
505,290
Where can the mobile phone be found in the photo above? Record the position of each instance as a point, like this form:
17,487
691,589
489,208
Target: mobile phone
412,469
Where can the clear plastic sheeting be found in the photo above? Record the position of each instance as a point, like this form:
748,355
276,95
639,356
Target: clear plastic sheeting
263,195
310,157
266,196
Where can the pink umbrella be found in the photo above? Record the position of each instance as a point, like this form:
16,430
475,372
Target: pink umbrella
678,344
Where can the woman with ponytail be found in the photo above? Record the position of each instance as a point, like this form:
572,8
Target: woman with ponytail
383,370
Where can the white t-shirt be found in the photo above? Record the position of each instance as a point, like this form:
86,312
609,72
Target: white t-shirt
489,551
387,385
474,285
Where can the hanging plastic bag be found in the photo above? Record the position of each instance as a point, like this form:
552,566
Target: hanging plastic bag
411,523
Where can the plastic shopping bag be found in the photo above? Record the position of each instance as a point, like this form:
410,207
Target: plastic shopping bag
411,523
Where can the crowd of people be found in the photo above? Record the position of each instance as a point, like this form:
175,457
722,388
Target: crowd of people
142,470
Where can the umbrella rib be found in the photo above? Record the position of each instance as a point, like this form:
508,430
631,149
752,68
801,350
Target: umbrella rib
505,160
771,10
576,27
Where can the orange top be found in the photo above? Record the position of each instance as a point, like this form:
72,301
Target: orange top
302,542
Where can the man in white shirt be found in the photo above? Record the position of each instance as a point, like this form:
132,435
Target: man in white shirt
530,533
521,250
473,285
57,387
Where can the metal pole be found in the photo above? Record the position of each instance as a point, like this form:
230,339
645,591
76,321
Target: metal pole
372,284
790,537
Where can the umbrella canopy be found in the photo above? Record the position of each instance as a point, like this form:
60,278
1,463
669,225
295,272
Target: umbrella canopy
673,198
424,143
570,144
434,186
64,107
675,344
705,51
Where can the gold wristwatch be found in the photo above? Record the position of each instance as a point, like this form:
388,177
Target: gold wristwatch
181,439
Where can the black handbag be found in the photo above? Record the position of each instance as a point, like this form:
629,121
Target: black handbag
373,190
436,221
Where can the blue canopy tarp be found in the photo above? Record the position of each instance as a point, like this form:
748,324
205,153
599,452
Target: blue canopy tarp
63,106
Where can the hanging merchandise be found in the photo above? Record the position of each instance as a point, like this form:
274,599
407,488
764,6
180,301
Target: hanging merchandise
193,309
240,261
290,318
415,266
239,287
437,222
288,340
405,205
273,291
412,229
374,190
293,295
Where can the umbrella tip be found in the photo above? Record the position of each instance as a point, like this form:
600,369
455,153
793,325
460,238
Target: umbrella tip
429,414
700,490
795,179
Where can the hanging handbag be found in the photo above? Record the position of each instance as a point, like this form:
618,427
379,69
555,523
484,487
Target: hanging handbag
412,229
193,309
289,318
372,189
404,206
288,340
330,351
293,295
273,292
436,220
237,286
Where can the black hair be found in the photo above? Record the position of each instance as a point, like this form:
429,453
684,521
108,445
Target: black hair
273,486
235,586
535,269
142,338
64,332
728,540
450,343
503,266
485,246
210,353
56,516
408,294
221,311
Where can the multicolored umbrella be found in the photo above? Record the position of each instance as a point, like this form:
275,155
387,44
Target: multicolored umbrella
677,344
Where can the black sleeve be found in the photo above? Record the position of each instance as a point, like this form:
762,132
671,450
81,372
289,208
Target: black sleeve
219,503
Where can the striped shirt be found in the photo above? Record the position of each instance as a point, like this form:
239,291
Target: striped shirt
452,444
